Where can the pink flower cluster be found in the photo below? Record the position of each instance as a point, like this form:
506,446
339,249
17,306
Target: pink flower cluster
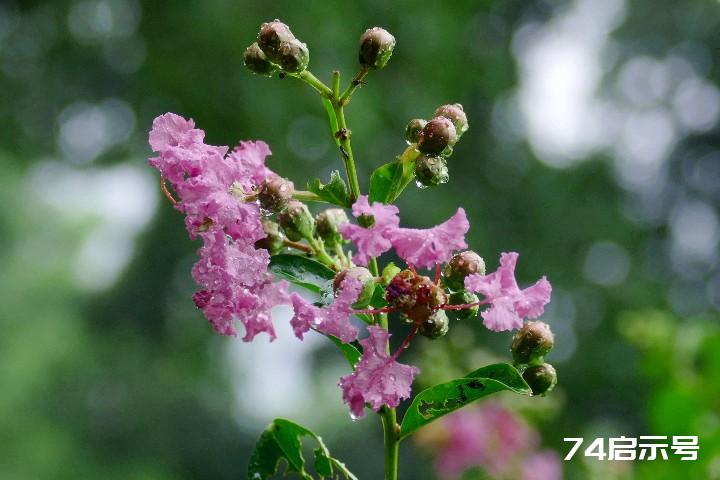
498,441
509,304
419,247
232,273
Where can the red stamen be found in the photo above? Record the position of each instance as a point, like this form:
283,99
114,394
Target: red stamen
463,306
371,311
406,342
167,193
437,274
411,267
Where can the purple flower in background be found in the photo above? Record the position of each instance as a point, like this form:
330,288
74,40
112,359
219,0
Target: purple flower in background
544,465
488,436
378,378
428,247
332,320
373,240
509,304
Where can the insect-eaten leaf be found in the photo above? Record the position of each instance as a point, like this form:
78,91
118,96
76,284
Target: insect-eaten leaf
282,441
388,181
335,191
435,402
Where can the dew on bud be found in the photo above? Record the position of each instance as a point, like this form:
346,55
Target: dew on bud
271,36
463,298
257,62
532,342
376,47
293,56
431,171
456,114
540,378
460,266
296,221
274,193
413,129
328,225
436,136
365,277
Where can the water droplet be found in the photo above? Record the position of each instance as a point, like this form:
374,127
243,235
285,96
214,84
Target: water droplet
353,417
420,185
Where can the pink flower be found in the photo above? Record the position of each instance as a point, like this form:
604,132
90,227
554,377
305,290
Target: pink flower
509,304
332,320
428,247
544,465
373,240
488,436
378,378
233,274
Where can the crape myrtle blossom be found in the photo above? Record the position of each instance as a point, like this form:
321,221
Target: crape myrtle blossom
373,240
333,319
419,247
509,304
378,378
231,271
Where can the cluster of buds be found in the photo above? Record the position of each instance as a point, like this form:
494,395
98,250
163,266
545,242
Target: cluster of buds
276,48
434,140
529,346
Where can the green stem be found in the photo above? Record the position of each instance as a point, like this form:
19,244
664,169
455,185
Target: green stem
356,82
346,151
306,196
307,77
318,249
392,442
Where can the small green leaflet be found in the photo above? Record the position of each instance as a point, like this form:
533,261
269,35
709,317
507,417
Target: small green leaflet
349,350
335,191
332,118
302,271
388,181
282,440
435,402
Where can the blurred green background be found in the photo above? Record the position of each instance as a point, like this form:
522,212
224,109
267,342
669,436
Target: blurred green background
593,151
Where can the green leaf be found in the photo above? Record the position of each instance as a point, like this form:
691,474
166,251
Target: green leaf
282,440
302,271
378,298
388,181
335,191
350,351
434,402
332,119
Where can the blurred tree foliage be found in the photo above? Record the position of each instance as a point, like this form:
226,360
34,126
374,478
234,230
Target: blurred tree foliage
129,382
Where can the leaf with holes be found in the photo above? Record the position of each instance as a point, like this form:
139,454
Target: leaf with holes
435,402
282,440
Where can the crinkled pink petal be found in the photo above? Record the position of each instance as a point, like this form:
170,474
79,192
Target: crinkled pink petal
371,241
544,465
428,247
509,304
171,130
253,308
378,378
333,319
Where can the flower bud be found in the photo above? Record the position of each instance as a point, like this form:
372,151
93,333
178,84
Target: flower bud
328,224
273,242
413,129
436,326
257,62
438,134
271,36
541,378
456,114
293,56
416,296
431,171
389,272
532,342
462,298
274,193
363,275
460,266
376,47
296,221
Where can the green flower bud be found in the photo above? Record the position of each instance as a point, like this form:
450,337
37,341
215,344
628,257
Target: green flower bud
296,221
365,277
389,272
436,326
462,298
274,193
273,242
541,378
456,114
413,129
257,62
532,342
328,224
293,56
460,266
436,136
376,47
271,36
431,171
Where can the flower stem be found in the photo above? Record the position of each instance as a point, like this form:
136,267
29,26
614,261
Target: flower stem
343,134
307,77
392,442
356,82
307,196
